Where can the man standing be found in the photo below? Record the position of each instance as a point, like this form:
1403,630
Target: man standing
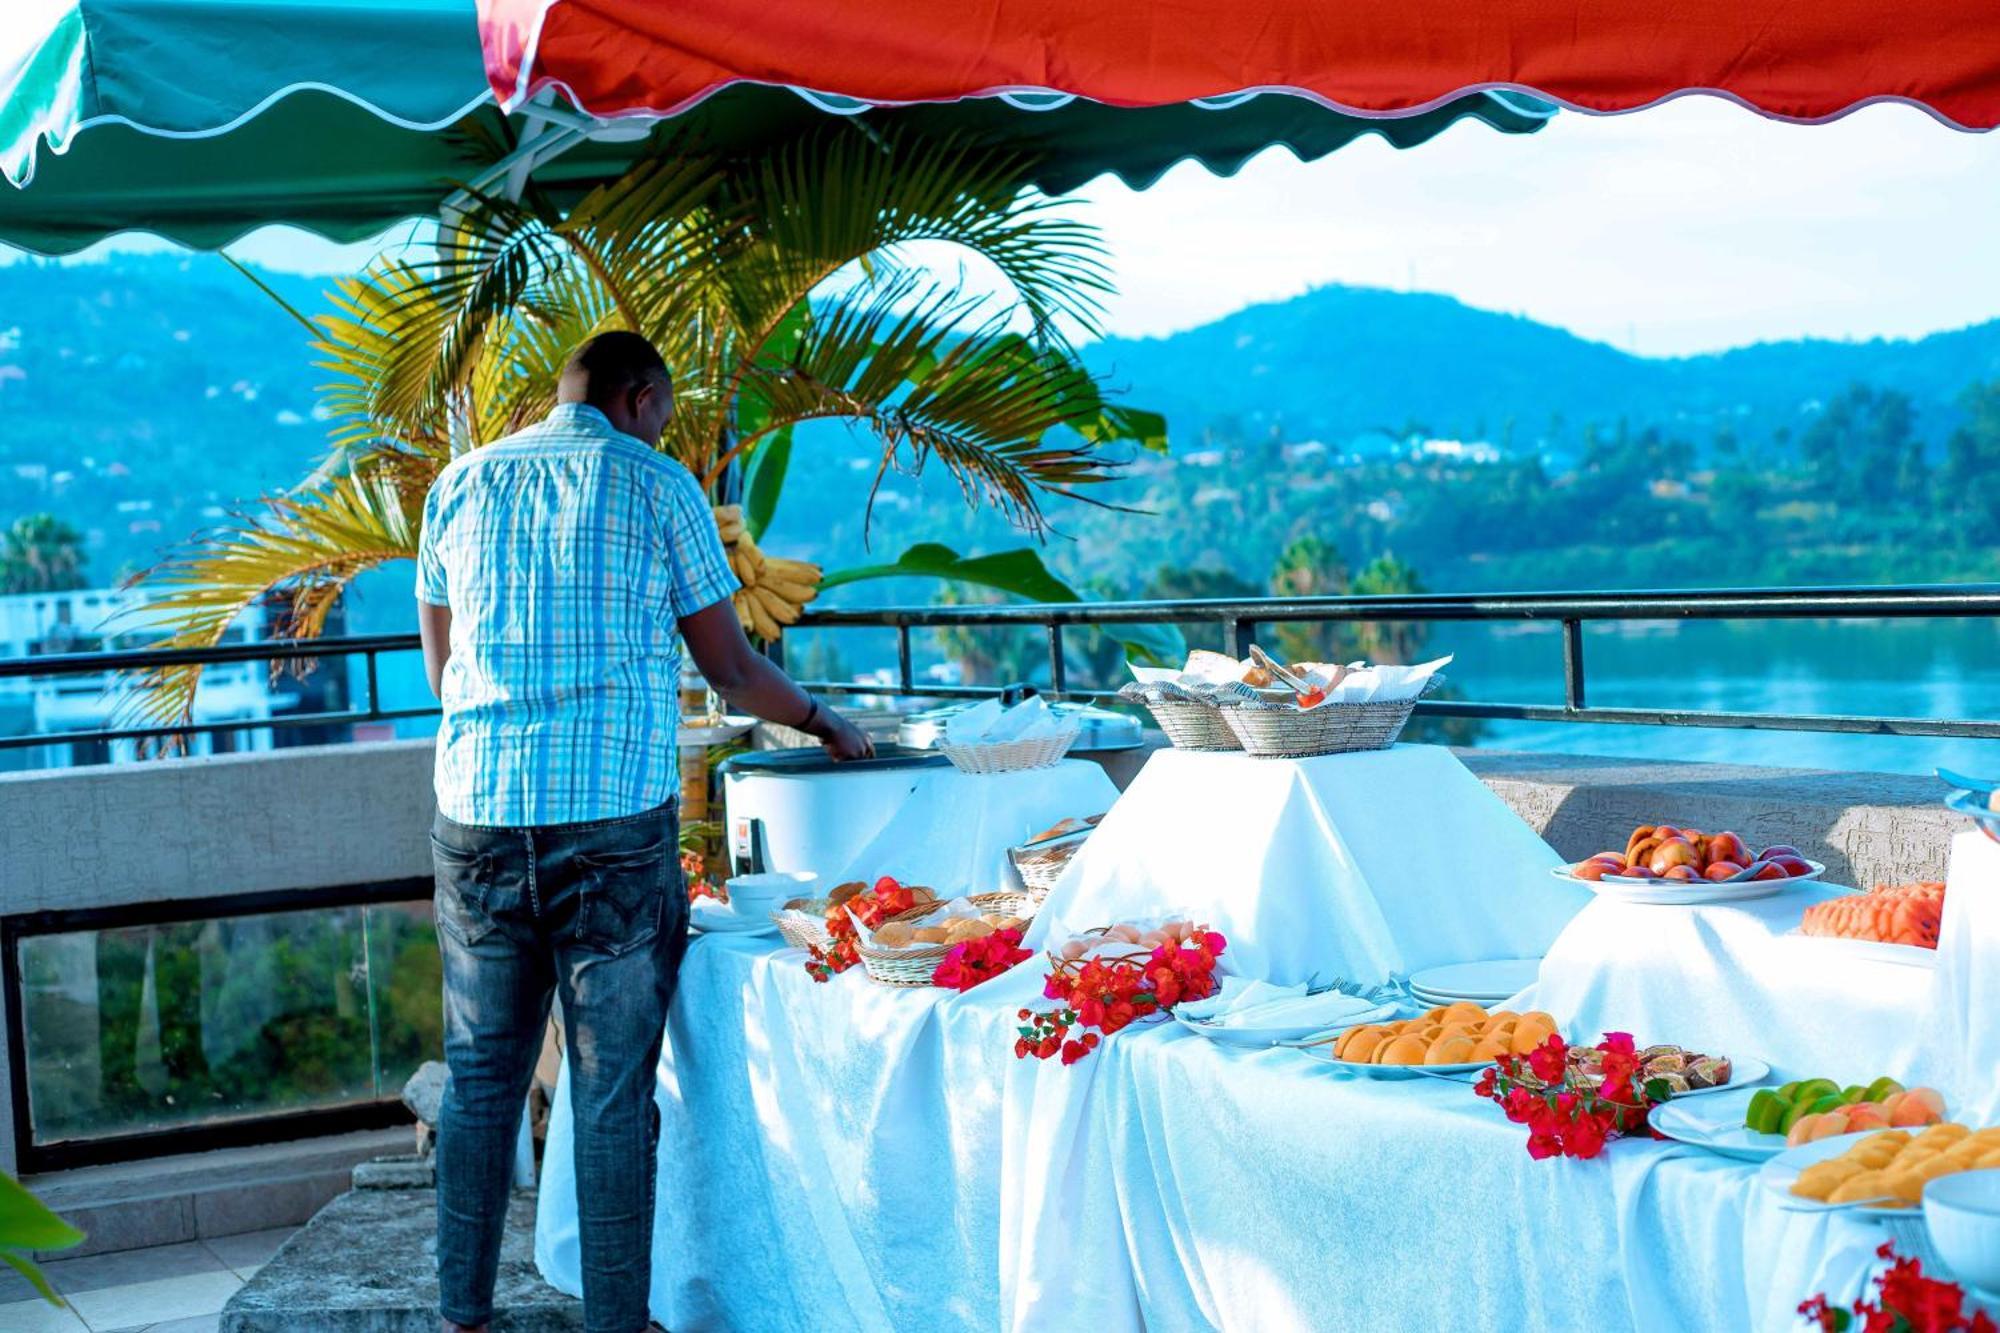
557,571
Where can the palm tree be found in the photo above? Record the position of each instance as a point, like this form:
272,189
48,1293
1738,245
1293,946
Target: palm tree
778,283
40,553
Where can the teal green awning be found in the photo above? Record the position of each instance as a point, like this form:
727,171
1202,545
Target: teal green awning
201,120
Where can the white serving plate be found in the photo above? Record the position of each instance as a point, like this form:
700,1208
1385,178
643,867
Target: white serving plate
1778,1173
1903,955
1489,979
1716,1125
1324,1054
715,918
1277,1036
1686,892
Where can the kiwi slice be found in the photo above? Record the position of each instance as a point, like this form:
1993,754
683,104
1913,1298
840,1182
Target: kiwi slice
1853,1093
1787,1090
1883,1087
1766,1111
1812,1089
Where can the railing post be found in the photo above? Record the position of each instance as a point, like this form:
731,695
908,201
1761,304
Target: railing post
1242,633
775,650
1058,676
1573,695
374,685
905,673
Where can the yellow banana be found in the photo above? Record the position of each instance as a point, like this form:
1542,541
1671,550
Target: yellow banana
763,625
741,601
729,521
797,593
739,564
780,610
792,571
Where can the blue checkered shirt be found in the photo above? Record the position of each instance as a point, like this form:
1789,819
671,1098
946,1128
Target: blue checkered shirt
566,553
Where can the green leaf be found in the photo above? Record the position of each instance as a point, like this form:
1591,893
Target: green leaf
26,1268
27,1224
1146,429
766,482
1020,573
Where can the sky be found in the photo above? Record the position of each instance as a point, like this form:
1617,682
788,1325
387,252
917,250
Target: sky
1689,227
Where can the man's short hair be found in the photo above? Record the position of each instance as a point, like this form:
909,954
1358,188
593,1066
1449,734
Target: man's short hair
607,364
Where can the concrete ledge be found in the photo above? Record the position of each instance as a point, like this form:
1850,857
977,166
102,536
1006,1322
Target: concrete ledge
173,829
1869,828
366,1264
167,1200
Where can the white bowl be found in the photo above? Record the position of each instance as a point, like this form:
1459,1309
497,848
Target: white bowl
762,894
1962,1213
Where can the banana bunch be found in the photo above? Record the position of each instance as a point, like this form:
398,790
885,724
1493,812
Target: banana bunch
774,591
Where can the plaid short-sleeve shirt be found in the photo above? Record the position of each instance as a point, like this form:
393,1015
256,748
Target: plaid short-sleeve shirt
566,553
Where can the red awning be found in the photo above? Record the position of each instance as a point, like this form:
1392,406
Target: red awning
1805,60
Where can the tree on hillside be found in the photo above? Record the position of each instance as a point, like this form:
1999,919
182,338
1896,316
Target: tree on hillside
1309,567
1388,641
1862,444
41,553
1969,480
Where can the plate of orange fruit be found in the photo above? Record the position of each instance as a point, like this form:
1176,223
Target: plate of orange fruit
1453,1038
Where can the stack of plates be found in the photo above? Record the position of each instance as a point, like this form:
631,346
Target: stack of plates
1484,983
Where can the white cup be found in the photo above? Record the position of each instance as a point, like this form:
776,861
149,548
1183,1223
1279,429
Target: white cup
760,895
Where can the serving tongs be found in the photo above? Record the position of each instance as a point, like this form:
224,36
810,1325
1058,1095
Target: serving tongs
1285,676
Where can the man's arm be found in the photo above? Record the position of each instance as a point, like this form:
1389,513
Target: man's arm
434,627
753,682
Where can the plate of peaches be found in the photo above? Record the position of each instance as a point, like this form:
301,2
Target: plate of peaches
1667,864
1449,1040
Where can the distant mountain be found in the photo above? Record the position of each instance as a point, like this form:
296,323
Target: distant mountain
1340,361
142,396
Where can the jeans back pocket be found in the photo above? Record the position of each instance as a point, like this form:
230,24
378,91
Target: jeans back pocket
623,893
464,886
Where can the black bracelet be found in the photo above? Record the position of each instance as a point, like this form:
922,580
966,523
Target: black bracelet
812,715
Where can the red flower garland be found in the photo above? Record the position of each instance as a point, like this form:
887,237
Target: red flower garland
983,959
1563,1118
1907,1302
1110,994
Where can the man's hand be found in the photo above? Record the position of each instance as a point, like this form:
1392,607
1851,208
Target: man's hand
751,682
842,739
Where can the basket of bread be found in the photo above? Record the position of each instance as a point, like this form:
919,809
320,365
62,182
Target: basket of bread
806,923
1041,860
1325,709
906,949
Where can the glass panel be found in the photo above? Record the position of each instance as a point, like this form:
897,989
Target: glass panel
144,1028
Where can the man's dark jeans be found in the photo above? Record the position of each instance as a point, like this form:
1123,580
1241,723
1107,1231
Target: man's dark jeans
596,912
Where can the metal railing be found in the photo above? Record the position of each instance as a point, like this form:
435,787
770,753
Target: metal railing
1241,620
368,647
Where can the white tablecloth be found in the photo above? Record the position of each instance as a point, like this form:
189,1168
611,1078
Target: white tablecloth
1356,864
849,1156
1968,1000
1734,979
953,831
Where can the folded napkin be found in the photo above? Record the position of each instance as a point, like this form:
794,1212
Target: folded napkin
1258,1004
1384,684
987,723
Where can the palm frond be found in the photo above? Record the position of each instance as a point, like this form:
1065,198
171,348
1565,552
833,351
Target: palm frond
307,546
937,374
835,198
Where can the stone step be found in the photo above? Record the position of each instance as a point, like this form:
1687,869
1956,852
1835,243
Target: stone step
366,1264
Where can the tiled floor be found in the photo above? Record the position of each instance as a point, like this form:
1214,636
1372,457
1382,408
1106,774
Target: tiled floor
168,1289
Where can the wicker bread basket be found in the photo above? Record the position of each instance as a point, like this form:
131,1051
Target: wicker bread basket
1013,756
1190,723
915,966
802,923
1041,863
1286,731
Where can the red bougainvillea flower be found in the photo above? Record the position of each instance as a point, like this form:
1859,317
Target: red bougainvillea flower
974,961
1110,993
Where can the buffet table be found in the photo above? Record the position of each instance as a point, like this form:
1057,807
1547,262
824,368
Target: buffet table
846,1155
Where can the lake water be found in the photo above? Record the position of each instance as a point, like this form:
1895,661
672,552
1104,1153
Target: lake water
1917,669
